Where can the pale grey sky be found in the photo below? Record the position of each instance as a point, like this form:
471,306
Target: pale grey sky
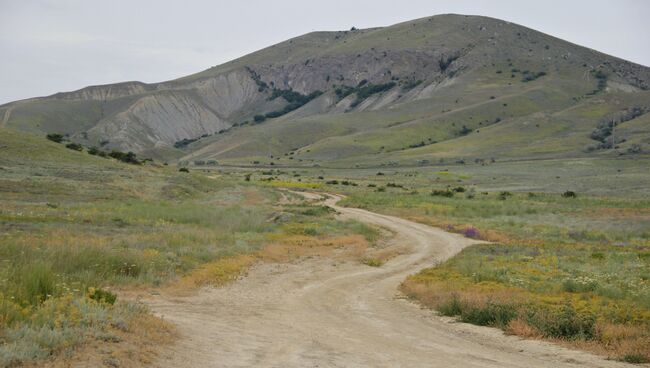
47,46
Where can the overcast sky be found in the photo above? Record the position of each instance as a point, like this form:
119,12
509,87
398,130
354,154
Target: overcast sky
47,46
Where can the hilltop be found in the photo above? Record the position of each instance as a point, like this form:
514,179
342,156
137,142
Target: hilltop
447,88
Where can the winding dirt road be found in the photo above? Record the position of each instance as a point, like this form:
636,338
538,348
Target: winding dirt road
323,313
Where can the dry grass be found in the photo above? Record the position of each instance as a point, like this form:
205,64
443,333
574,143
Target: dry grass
626,342
280,249
520,327
135,347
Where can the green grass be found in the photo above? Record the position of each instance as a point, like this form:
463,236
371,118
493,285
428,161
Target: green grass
567,268
74,226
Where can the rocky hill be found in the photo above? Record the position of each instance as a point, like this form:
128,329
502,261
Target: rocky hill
448,87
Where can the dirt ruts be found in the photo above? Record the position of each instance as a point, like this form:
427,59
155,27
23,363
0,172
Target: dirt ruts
323,313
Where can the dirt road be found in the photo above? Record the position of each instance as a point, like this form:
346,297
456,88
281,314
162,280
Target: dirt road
319,313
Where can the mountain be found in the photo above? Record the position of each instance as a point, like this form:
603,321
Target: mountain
447,88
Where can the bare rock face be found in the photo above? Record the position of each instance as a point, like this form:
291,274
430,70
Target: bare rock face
374,66
158,119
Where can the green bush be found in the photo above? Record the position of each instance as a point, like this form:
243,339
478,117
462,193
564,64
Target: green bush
74,146
504,195
451,308
442,193
129,157
635,359
565,324
101,295
569,194
54,137
490,314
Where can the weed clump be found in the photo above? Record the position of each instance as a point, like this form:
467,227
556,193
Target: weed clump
373,262
504,195
566,323
442,193
101,295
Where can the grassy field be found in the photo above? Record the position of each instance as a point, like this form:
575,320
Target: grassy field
573,269
77,229
563,268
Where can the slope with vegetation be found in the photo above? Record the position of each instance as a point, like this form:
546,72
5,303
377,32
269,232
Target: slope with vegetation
413,91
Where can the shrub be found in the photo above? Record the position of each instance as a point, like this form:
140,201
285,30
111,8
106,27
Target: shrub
101,295
370,89
74,146
470,232
295,100
54,137
464,130
459,190
635,358
569,194
332,182
504,195
93,151
530,76
565,324
373,262
490,314
183,169
442,193
185,142
411,84
451,307
128,157
259,118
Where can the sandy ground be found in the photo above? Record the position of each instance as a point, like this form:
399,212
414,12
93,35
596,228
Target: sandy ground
325,313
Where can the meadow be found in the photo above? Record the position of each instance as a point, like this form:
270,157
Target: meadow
564,266
79,231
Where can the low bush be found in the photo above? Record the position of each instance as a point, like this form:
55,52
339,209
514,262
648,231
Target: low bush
566,323
442,193
569,194
482,314
129,157
101,295
504,195
635,358
54,137
373,262
74,146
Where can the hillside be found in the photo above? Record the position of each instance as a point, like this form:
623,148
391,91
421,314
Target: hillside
448,88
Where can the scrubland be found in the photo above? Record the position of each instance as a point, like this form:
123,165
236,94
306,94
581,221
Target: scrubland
79,231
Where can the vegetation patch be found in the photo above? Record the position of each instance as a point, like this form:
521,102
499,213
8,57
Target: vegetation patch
559,269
